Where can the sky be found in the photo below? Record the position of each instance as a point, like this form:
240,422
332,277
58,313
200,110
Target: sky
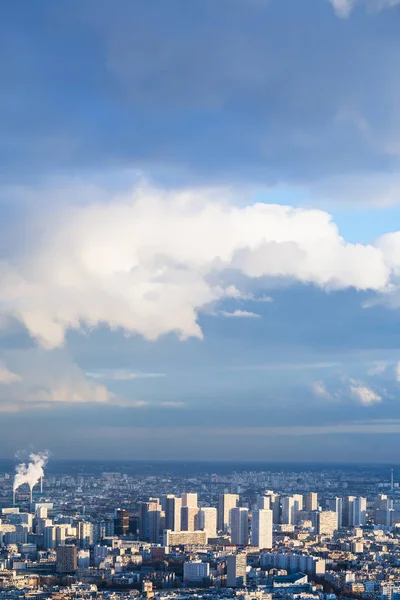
200,229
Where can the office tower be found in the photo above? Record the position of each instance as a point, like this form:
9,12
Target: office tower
41,512
207,521
173,507
239,526
275,506
236,565
189,518
60,535
336,504
196,571
327,522
149,525
291,506
310,501
383,510
347,511
41,524
49,537
261,528
263,502
225,503
298,506
121,522
85,534
189,499
359,511
67,559
134,520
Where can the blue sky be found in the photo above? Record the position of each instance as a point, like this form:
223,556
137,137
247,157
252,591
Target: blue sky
200,229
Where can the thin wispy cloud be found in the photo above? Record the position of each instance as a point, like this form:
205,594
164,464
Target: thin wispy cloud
239,314
122,375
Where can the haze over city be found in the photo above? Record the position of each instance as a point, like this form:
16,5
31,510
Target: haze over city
200,230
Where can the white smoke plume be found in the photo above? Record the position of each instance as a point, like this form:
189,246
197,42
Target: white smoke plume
32,472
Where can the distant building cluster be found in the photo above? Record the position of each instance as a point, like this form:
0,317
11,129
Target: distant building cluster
115,535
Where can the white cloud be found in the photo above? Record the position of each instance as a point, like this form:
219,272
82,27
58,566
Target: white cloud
7,376
122,375
319,390
41,379
148,262
172,404
363,394
378,369
239,314
343,8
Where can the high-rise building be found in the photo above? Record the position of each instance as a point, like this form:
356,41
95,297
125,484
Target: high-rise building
239,526
298,505
49,537
189,499
149,524
336,504
263,502
196,571
327,522
67,559
173,507
225,503
236,570
310,501
207,521
189,518
291,506
359,511
85,534
275,506
288,510
121,522
261,529
347,511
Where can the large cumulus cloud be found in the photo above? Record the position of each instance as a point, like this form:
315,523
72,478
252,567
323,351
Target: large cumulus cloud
149,261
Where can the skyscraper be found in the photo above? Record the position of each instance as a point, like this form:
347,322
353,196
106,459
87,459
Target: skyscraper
189,499
173,506
149,524
336,504
239,526
263,502
225,503
291,506
67,559
207,521
359,511
236,570
189,518
85,534
310,501
347,511
121,521
261,528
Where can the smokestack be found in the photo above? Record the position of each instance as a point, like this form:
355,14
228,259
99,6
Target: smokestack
391,480
41,485
31,493
14,492
32,472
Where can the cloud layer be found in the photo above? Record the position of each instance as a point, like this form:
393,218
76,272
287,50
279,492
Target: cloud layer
149,261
